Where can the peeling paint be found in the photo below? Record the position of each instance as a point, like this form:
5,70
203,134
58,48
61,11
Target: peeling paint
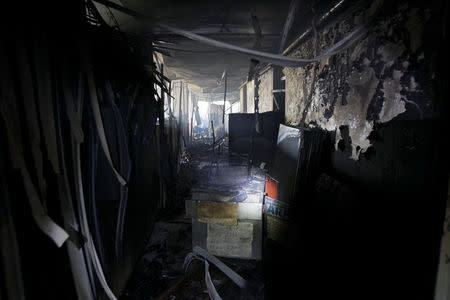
368,83
390,52
392,105
353,113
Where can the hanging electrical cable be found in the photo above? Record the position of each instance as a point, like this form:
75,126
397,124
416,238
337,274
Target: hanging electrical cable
275,59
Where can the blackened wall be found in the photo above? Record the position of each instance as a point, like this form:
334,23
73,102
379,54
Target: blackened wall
368,218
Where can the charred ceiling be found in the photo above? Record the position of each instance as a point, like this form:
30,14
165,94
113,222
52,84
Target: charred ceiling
211,149
255,25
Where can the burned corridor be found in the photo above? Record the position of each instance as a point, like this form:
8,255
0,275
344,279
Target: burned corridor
224,150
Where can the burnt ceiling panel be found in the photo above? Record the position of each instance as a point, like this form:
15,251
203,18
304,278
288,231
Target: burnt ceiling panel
233,22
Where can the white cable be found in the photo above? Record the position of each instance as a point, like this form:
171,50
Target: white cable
90,244
276,59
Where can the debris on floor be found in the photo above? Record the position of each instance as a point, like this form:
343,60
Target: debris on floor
223,218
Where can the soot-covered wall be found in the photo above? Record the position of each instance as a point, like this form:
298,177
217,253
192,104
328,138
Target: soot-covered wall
265,91
387,73
381,102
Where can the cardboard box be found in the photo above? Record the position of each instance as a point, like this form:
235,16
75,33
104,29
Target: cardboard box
227,222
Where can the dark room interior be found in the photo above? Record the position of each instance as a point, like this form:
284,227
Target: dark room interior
292,149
